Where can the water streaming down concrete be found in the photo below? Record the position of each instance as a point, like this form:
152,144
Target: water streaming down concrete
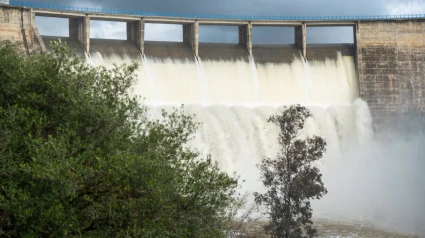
238,101
233,97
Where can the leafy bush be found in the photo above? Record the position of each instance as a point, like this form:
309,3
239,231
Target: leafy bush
78,156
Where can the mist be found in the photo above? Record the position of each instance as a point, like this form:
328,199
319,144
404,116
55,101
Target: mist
380,182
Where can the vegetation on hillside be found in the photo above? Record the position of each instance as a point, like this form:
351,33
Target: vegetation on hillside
79,157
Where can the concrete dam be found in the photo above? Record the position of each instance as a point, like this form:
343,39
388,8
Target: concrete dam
352,90
387,54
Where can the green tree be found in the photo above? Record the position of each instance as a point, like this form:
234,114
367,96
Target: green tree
79,156
291,179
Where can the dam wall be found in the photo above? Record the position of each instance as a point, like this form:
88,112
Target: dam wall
17,25
391,67
388,54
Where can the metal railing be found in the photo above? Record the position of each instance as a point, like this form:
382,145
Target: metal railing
211,16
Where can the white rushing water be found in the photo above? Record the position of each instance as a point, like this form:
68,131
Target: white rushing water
234,99
330,82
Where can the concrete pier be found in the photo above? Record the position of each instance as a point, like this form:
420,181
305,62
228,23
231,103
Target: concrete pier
35,35
191,36
301,39
79,28
136,34
245,37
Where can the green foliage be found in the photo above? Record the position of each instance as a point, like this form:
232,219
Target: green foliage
78,156
291,179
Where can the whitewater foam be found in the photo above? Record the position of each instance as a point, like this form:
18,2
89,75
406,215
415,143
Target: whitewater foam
233,100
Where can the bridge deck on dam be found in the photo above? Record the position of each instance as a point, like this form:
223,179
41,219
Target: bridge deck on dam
69,11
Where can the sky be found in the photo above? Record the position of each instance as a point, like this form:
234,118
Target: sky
228,34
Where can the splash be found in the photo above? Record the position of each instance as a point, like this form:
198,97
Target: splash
88,58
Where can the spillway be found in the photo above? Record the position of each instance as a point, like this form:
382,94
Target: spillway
233,96
223,75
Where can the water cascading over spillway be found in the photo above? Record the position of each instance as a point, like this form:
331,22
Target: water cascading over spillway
233,97
374,181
